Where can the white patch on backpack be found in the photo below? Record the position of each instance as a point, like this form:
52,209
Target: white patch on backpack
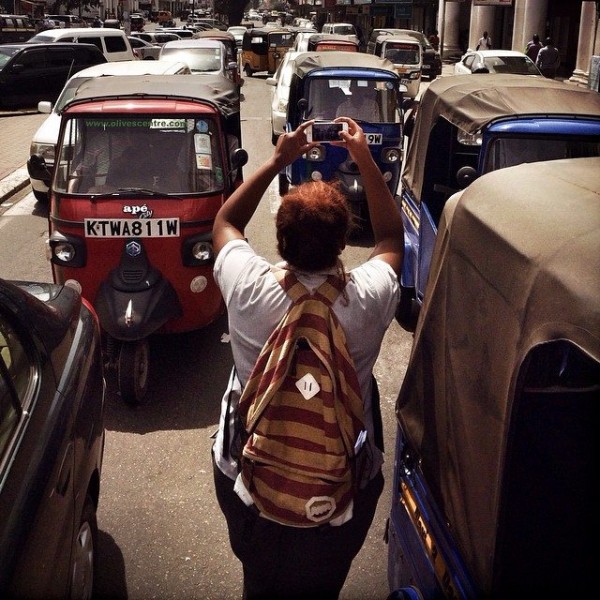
308,386
319,508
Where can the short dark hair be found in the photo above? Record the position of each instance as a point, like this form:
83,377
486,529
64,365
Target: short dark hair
313,224
548,41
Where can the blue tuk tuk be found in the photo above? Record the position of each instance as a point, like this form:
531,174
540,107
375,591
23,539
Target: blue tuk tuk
464,126
322,84
495,469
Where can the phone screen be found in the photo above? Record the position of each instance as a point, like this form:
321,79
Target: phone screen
326,132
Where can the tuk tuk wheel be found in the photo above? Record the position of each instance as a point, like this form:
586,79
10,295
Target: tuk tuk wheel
248,70
132,369
284,184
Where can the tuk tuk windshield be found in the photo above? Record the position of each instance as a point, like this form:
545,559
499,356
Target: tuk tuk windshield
402,54
509,151
162,155
366,100
281,39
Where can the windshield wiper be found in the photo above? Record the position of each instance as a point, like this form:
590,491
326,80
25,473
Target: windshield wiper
136,190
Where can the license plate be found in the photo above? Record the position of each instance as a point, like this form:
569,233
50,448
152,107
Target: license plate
374,139
425,67
124,228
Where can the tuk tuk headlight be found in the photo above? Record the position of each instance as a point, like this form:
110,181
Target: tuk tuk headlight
414,75
67,251
198,250
317,153
202,251
391,155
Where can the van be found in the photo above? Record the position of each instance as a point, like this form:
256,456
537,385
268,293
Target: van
405,53
346,29
112,42
30,73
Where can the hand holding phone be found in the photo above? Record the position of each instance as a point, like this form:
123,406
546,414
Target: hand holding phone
325,132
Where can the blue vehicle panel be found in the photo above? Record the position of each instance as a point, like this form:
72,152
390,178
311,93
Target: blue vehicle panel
458,141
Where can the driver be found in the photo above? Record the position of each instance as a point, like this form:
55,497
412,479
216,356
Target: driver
360,104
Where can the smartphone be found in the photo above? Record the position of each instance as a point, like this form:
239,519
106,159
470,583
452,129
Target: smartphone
325,131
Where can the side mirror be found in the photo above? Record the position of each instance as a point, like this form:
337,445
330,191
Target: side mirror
232,66
465,176
481,69
239,158
302,105
37,168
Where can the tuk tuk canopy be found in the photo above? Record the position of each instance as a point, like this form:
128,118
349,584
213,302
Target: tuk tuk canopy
516,268
472,102
303,65
216,90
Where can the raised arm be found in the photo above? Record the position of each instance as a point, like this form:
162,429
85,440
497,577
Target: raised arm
386,221
236,212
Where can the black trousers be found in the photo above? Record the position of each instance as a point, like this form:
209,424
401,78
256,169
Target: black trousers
291,562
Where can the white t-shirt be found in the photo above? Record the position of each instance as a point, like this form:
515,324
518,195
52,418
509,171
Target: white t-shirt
246,282
484,43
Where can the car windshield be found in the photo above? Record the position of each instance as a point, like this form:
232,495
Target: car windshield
112,155
200,60
519,65
508,152
6,53
344,30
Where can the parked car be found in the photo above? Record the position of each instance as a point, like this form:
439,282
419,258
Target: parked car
45,138
497,417
465,126
280,81
52,391
432,60
112,42
183,33
68,21
144,50
204,57
496,61
30,73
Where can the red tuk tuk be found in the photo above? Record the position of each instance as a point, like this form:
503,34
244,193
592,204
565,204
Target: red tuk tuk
143,165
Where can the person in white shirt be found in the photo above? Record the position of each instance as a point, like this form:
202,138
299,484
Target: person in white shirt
485,42
312,226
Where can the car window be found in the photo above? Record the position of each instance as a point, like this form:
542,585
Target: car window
31,60
115,44
16,376
59,58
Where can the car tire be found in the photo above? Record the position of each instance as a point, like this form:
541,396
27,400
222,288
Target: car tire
133,370
41,197
248,70
85,544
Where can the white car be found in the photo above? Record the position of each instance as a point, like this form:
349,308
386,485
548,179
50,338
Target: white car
496,61
280,80
46,137
238,33
144,50
204,56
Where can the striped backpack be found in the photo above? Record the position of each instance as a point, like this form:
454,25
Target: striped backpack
302,413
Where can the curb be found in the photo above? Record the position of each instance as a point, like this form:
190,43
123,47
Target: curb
13,183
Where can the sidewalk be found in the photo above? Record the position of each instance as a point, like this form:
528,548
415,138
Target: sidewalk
16,130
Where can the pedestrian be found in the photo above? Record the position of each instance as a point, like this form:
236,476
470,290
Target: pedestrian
434,40
97,22
548,59
312,225
533,47
485,42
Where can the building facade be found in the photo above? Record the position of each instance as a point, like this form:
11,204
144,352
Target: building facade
573,25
